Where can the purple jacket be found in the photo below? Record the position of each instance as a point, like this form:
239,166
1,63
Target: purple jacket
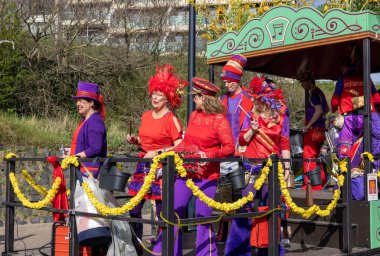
92,139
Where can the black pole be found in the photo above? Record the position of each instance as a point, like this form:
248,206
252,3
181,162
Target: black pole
73,249
9,210
168,206
347,224
367,109
273,200
191,68
211,73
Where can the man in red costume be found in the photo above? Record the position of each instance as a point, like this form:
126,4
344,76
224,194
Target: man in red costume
314,131
349,98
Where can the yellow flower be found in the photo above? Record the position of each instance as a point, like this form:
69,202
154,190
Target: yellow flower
40,189
37,205
369,155
314,209
69,160
10,155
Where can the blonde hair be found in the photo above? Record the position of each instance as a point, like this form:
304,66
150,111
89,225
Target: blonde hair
212,105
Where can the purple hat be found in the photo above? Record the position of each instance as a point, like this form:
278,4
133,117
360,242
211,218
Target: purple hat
87,91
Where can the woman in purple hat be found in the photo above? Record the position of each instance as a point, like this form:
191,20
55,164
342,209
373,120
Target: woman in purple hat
90,138
209,132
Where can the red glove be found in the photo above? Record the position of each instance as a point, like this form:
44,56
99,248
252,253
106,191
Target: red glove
334,103
376,98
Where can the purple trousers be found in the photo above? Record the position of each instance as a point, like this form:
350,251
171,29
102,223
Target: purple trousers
205,242
353,129
239,238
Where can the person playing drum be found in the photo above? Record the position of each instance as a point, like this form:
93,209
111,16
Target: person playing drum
238,105
314,131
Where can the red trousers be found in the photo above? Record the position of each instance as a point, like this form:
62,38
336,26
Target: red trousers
313,140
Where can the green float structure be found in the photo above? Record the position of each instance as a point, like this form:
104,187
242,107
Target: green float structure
285,42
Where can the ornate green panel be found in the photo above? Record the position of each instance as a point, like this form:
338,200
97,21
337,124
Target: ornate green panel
285,26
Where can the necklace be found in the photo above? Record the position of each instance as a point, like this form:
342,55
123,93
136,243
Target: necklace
159,115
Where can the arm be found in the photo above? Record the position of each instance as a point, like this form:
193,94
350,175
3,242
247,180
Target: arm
225,138
335,100
317,114
96,132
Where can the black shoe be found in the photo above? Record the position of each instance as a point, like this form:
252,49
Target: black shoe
221,241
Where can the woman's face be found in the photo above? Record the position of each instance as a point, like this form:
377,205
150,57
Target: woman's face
159,100
84,106
198,100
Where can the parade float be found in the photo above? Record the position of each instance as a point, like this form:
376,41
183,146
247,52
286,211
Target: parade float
285,42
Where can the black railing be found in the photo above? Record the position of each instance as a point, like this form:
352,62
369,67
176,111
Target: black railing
168,204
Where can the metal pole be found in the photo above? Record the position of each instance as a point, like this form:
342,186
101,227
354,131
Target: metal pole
347,224
273,199
73,250
367,109
168,206
9,210
211,73
191,61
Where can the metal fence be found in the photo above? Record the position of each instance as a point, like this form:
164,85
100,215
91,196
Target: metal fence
168,177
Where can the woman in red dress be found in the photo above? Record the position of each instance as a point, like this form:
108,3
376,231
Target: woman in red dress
160,131
208,135
267,134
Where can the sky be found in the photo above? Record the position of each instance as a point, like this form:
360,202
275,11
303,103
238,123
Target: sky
376,78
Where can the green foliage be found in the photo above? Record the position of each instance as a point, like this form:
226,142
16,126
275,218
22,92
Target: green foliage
12,73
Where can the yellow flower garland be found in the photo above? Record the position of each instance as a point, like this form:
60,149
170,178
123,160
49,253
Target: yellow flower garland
37,205
226,207
69,160
10,155
314,209
371,159
40,189
105,210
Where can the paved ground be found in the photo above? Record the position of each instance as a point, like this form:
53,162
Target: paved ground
34,239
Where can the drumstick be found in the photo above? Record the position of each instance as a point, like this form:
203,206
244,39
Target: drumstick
130,127
249,116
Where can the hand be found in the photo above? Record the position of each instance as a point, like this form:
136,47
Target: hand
306,128
254,125
150,154
203,155
132,139
66,152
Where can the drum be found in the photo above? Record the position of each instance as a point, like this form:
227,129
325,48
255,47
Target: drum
332,136
296,142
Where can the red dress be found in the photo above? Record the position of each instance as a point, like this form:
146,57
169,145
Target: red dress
210,133
268,138
154,134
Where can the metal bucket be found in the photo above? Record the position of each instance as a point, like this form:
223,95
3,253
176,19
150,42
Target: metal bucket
112,179
315,176
237,178
296,142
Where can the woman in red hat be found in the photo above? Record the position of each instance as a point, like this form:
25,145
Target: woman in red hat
90,140
267,134
208,135
160,131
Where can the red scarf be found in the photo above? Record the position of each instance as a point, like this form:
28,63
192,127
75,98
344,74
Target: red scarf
60,199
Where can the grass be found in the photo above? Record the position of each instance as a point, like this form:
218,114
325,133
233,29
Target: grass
49,133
